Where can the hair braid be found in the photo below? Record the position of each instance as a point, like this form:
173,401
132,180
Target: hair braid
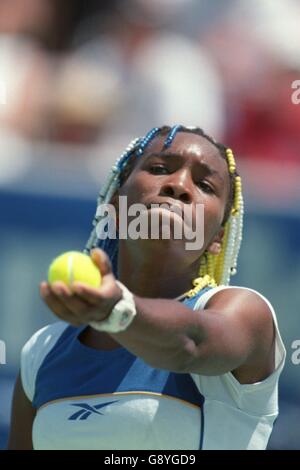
214,269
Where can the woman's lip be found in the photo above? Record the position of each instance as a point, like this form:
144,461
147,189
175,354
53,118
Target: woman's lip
162,209
159,207
167,205
176,209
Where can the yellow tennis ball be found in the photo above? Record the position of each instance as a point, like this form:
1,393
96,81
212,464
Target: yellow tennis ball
74,266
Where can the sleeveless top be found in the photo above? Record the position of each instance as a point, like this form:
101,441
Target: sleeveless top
113,400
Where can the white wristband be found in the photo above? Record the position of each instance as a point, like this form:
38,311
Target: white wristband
121,315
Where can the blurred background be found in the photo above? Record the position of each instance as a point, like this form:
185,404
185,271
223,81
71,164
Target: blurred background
79,81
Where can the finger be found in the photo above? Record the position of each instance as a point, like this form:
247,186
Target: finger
56,306
75,304
95,294
69,319
59,309
101,260
108,293
89,294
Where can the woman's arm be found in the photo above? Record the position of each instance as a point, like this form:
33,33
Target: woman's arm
234,333
22,416
236,328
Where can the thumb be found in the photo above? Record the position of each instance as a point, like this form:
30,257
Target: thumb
102,261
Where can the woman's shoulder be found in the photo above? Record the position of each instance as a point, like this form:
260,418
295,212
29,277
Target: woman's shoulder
249,305
233,292
244,305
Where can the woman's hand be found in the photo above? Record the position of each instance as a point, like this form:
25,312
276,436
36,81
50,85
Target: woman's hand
81,304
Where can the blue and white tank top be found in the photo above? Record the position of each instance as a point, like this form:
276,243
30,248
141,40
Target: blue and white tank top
113,400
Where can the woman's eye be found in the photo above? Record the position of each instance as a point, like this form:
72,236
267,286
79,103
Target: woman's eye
159,170
205,187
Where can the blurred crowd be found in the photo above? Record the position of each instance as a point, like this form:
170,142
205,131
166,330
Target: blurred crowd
94,74
79,79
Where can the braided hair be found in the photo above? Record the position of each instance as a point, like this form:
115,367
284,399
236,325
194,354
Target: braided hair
214,269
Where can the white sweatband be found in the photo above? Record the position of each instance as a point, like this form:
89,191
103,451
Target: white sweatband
121,315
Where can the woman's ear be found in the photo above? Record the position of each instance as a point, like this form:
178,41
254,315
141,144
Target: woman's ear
215,246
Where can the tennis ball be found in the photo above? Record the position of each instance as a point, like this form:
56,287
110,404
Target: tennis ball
74,266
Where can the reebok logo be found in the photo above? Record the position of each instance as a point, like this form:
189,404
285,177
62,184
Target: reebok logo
87,410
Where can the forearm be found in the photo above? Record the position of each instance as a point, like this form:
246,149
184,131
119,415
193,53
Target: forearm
164,333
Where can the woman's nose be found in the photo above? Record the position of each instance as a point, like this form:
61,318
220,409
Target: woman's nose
177,187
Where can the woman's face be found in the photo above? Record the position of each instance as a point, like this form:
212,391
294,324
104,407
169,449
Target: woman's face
189,172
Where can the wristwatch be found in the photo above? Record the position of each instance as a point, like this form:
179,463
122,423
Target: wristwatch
121,315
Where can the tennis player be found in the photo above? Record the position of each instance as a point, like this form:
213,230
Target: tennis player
165,354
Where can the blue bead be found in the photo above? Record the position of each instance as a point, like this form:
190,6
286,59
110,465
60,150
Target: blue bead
171,135
146,140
